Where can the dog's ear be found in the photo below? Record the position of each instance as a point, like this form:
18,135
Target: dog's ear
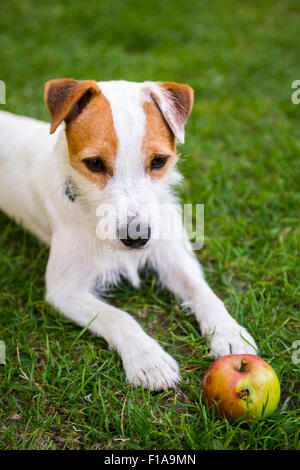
66,98
175,102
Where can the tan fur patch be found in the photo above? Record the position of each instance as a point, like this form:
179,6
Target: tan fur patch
92,134
62,95
158,140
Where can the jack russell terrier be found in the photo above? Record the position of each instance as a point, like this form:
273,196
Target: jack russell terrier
116,141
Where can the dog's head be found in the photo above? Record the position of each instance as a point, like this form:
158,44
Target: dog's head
121,139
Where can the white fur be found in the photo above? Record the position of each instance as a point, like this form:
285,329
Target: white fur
33,169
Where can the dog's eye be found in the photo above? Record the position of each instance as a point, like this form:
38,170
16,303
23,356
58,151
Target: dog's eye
158,162
95,164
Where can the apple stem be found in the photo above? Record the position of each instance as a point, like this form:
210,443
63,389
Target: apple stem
243,365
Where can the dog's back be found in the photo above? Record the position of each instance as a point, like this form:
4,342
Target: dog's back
25,148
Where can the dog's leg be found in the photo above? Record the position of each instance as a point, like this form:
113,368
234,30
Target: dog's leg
69,288
181,273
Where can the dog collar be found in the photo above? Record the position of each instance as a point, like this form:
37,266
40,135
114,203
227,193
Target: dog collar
69,190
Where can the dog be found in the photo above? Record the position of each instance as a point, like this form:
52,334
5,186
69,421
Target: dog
109,142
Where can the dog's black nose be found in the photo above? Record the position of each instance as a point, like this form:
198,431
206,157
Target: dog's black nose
137,242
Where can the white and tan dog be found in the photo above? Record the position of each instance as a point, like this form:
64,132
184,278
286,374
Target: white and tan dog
115,141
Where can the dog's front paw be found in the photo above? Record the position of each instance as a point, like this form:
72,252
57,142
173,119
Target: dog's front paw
232,340
151,367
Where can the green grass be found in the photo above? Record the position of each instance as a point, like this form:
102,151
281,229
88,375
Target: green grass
62,389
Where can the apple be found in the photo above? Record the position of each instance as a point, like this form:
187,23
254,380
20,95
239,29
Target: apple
241,385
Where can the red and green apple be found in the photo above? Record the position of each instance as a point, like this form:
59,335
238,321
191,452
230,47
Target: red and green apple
241,385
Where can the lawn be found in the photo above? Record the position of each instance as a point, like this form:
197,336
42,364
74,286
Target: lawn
61,387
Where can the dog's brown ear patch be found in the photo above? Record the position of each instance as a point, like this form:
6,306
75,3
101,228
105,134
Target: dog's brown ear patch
66,97
175,102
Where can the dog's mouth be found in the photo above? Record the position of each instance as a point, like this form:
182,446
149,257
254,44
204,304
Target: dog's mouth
134,244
